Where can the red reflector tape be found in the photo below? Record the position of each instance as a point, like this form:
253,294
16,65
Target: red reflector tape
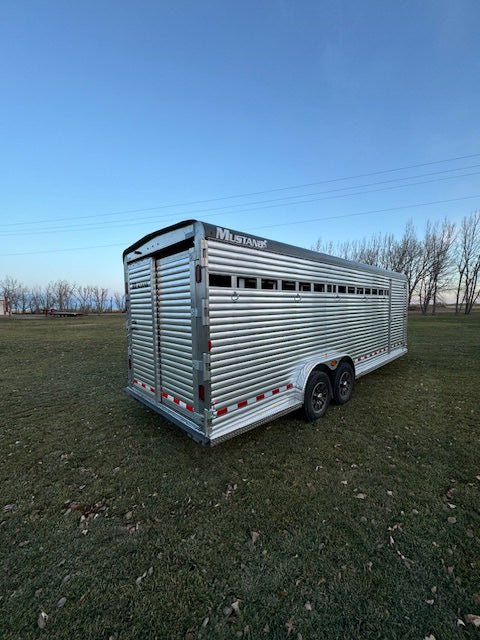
250,401
143,385
375,353
177,401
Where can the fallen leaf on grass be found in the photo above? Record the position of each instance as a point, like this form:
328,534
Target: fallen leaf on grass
236,606
451,520
149,572
473,619
42,619
231,488
407,562
8,508
61,603
361,496
131,528
430,637
232,611
308,606
255,536
289,625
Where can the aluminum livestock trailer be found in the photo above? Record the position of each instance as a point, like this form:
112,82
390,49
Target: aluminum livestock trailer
227,330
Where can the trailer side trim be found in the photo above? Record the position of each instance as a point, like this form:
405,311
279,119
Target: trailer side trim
250,401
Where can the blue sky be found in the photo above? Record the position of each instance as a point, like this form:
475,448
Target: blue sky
119,118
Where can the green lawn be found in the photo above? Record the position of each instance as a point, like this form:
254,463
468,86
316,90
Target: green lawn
365,524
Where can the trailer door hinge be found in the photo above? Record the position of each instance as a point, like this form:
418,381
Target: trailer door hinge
204,312
203,253
206,366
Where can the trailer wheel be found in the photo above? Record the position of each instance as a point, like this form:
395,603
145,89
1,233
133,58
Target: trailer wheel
343,382
318,394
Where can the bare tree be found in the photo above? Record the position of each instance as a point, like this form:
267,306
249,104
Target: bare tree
12,289
370,251
37,300
407,256
100,296
468,263
23,299
84,297
119,299
63,294
437,245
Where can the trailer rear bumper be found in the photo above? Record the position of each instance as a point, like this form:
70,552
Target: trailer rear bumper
218,436
187,425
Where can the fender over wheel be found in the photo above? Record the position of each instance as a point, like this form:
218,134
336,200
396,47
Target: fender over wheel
343,382
318,394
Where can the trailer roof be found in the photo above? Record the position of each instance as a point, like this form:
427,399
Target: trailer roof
230,236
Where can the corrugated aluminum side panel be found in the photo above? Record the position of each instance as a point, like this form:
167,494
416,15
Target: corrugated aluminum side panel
141,318
260,340
399,313
174,302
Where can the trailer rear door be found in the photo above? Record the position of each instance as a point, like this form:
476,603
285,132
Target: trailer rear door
174,285
141,329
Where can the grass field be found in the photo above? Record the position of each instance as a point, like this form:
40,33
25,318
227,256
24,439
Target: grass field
116,525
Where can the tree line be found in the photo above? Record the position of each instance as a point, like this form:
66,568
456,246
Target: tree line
60,295
443,264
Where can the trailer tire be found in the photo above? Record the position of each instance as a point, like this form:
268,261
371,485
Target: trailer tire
343,382
318,394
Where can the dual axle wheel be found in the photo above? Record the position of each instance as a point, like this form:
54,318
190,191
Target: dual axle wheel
321,389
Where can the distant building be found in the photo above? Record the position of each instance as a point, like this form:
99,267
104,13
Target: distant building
4,306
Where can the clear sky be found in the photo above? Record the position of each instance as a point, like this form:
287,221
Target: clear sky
118,118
